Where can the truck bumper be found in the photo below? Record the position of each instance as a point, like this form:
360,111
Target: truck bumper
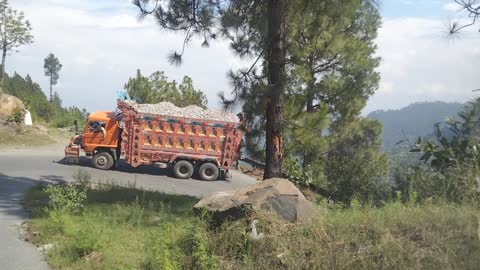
72,153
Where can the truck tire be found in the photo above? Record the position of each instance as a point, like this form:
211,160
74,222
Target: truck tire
208,171
102,161
183,169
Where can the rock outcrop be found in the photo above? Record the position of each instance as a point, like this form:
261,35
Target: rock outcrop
8,104
278,196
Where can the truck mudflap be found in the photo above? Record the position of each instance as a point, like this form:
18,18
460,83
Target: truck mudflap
72,154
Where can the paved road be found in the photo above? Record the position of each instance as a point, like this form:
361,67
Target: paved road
21,169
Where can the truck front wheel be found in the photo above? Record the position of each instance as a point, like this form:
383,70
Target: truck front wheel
183,169
208,171
102,161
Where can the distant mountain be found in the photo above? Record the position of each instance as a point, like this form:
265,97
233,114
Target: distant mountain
413,121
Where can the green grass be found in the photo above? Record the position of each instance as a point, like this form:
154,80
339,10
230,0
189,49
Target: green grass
125,228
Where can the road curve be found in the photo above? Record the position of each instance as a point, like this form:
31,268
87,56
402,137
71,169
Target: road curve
20,169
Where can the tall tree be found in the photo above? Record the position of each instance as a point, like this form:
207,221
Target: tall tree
52,68
14,31
257,29
253,27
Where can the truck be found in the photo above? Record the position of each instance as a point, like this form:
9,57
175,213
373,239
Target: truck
186,145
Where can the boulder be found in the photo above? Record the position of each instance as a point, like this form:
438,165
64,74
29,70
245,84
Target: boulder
278,196
9,103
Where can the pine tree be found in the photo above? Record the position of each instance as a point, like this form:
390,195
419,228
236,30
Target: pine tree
258,29
52,67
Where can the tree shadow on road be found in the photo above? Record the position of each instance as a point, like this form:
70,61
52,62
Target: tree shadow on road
122,167
12,190
126,168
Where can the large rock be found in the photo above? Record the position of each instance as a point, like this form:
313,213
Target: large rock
9,103
278,196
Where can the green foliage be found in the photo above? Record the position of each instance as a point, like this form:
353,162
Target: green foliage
454,184
201,248
162,250
15,29
38,104
305,140
460,147
17,116
355,167
332,49
331,74
69,198
396,236
168,236
451,162
157,88
296,174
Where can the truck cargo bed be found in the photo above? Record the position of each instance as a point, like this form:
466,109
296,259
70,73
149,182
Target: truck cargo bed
148,138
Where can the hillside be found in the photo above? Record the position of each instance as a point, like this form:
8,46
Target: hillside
414,120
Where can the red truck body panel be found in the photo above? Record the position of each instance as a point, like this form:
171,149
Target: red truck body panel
149,138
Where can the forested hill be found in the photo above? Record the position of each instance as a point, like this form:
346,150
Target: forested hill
415,120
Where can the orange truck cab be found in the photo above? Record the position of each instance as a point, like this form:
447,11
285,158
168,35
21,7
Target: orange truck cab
100,140
95,140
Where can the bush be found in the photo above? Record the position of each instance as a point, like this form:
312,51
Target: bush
17,116
66,198
294,173
455,184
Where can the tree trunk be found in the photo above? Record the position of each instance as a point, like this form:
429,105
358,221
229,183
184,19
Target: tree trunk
276,10
51,96
4,56
311,88
310,107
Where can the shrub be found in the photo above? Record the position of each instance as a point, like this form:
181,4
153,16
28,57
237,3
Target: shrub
201,248
162,252
456,184
17,116
294,173
66,198
82,179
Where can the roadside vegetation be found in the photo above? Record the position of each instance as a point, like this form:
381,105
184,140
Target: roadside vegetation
32,136
46,112
94,226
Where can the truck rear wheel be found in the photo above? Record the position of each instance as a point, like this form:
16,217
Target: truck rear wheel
209,172
102,161
183,169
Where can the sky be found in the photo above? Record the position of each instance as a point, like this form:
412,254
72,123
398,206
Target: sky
101,44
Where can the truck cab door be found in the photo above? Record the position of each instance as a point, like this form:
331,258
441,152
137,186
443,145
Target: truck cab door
93,136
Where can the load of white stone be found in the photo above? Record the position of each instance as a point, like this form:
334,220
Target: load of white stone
167,108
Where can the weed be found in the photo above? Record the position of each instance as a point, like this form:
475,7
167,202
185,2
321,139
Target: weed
66,198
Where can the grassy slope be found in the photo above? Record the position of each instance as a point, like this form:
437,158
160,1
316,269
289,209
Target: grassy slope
123,228
31,136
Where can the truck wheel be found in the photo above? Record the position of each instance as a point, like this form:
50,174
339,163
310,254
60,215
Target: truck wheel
183,169
208,171
102,161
